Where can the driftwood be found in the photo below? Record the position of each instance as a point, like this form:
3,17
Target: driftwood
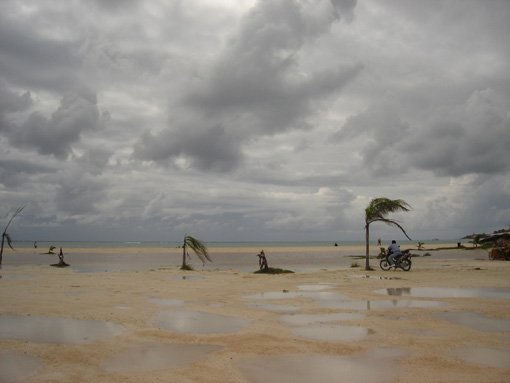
262,260
61,262
264,267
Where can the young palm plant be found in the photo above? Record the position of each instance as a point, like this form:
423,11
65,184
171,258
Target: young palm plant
198,248
5,235
377,210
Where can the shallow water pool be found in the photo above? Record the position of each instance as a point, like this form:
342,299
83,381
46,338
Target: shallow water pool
41,329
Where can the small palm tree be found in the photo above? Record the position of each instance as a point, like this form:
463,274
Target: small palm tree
6,236
197,246
377,210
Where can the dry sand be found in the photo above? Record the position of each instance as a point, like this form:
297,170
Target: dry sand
428,342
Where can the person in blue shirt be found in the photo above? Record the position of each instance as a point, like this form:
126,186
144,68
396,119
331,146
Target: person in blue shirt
393,251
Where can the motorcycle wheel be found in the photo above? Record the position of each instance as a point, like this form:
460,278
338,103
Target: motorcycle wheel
384,265
405,264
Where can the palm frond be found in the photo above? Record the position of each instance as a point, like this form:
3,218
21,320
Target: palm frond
378,208
18,210
198,247
393,223
9,241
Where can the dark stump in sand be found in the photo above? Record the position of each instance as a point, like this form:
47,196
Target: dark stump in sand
61,263
273,270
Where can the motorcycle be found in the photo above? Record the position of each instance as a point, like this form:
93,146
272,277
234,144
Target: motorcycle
403,261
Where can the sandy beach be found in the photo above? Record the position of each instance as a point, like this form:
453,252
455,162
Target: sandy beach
447,320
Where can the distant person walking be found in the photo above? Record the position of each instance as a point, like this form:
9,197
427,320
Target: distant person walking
379,242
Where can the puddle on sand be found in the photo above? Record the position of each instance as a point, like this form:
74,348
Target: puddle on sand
381,305
17,367
275,308
318,369
476,321
366,276
16,277
55,329
187,277
166,302
316,287
423,332
315,295
482,356
331,333
447,292
150,357
305,319
198,322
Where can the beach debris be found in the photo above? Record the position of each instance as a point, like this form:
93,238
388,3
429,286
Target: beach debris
420,245
264,267
355,264
61,262
501,251
50,250
5,235
262,260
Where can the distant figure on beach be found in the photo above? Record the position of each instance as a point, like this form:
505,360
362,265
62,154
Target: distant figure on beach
262,260
393,251
35,244
379,242
336,244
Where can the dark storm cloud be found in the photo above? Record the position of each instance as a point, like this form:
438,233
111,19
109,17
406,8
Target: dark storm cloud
14,172
77,113
206,149
33,61
472,137
257,87
79,194
11,101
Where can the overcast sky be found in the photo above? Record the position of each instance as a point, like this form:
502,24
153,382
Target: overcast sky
253,120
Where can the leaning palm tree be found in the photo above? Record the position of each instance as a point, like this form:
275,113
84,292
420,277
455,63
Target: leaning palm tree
197,246
6,236
377,210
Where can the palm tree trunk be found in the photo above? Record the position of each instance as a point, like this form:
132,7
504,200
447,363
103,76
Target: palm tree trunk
367,250
183,255
2,248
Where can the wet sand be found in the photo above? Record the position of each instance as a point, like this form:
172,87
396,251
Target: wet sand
272,338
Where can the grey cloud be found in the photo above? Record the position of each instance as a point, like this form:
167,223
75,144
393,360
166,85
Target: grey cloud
256,86
33,61
258,79
206,149
79,194
472,138
13,102
14,172
76,114
468,138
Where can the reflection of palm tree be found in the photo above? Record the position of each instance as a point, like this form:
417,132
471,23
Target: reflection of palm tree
198,248
377,210
6,236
